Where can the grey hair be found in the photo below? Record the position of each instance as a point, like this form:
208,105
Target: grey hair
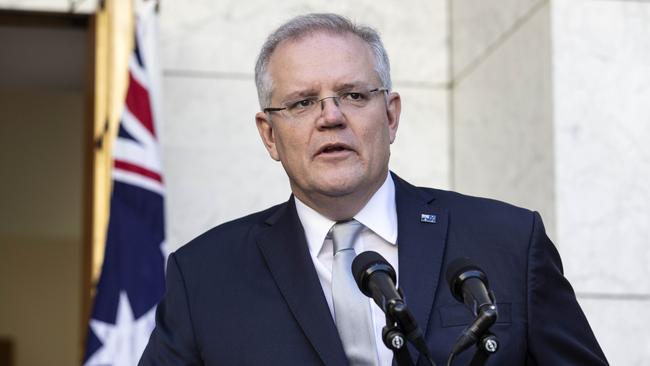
305,25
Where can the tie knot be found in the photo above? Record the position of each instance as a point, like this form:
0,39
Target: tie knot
344,234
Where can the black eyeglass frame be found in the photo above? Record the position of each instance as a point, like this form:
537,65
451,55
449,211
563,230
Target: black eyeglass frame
335,97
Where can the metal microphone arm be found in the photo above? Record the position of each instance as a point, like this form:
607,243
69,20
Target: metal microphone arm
398,310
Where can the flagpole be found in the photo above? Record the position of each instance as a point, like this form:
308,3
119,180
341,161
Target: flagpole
113,25
114,43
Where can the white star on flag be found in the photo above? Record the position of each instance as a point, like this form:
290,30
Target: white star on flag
124,341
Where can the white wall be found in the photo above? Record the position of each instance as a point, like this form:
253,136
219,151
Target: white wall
216,166
601,95
501,117
490,99
76,6
550,106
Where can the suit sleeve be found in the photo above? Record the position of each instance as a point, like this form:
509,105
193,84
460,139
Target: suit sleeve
558,331
172,341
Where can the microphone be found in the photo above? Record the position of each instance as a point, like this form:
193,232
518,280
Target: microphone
376,279
469,285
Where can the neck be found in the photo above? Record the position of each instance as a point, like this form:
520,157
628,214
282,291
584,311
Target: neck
338,208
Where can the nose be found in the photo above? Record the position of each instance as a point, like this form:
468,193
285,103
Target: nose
331,114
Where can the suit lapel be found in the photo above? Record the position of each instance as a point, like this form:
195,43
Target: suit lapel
285,250
421,247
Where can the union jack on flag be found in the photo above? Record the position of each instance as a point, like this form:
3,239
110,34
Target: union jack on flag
132,277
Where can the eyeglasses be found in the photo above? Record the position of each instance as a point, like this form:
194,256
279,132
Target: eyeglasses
347,102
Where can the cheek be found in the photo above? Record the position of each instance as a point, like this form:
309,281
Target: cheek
378,142
377,137
291,145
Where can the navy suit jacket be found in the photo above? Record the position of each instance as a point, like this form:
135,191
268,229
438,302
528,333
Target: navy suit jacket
246,292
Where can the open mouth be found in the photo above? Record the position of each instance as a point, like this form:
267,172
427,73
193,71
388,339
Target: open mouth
332,149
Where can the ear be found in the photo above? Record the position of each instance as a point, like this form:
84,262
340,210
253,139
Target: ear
393,111
265,128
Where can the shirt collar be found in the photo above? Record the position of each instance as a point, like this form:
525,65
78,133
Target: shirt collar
316,226
378,215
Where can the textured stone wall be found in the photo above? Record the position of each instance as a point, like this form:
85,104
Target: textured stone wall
216,166
501,99
601,98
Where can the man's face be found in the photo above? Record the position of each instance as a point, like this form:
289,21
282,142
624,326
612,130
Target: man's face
336,153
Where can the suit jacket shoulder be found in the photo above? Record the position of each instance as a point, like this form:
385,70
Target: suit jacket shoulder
229,236
475,215
486,210
248,284
540,321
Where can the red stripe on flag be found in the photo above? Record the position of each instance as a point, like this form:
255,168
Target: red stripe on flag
137,101
119,164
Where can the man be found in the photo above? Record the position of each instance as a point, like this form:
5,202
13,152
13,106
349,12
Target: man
271,289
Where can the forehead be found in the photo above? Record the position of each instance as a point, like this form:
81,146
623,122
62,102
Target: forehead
321,60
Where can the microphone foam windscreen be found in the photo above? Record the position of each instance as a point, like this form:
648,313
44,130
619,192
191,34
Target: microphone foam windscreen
363,263
455,269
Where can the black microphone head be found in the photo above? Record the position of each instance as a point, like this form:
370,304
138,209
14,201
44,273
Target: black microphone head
367,263
458,271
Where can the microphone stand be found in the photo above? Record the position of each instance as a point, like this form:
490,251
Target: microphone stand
486,343
394,339
400,325
486,346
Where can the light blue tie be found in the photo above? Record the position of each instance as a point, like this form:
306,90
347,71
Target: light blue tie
351,307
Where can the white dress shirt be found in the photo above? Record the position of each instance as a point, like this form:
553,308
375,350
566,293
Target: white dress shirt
379,218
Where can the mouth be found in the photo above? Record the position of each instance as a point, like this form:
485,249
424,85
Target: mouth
334,149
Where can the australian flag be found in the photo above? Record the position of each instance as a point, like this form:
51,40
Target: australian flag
132,276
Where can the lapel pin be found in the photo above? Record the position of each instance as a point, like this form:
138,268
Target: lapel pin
428,218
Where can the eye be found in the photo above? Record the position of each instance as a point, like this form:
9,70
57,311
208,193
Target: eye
301,104
354,96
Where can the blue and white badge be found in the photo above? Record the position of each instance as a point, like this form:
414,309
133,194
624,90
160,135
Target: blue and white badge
428,218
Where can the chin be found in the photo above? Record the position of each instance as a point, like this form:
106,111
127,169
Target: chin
339,185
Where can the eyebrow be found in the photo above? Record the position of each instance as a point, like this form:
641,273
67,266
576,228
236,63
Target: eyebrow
299,94
311,92
349,86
